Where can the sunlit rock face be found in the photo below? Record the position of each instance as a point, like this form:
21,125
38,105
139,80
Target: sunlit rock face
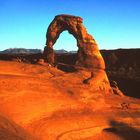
88,53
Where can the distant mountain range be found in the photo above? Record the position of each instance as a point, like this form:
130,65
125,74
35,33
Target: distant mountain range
61,51
20,51
29,51
107,53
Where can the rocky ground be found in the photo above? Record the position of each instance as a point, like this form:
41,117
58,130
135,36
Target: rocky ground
40,102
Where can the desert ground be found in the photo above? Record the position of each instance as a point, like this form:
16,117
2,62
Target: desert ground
41,102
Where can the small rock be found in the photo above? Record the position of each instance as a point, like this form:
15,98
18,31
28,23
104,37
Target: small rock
41,62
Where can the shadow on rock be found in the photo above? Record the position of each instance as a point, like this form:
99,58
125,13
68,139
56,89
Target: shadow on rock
123,130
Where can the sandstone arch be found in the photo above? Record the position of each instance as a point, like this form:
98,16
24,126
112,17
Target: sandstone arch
88,53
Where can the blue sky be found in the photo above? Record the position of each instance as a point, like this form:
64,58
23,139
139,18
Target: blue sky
113,23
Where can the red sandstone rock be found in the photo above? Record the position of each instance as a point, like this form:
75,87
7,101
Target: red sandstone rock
89,56
48,104
88,53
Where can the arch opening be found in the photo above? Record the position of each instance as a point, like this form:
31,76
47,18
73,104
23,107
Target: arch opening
65,49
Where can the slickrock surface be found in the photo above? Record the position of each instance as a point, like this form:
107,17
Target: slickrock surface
43,103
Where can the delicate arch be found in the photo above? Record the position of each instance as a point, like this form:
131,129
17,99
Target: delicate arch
88,53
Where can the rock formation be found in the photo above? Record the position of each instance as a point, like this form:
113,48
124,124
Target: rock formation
89,56
115,88
88,53
39,102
